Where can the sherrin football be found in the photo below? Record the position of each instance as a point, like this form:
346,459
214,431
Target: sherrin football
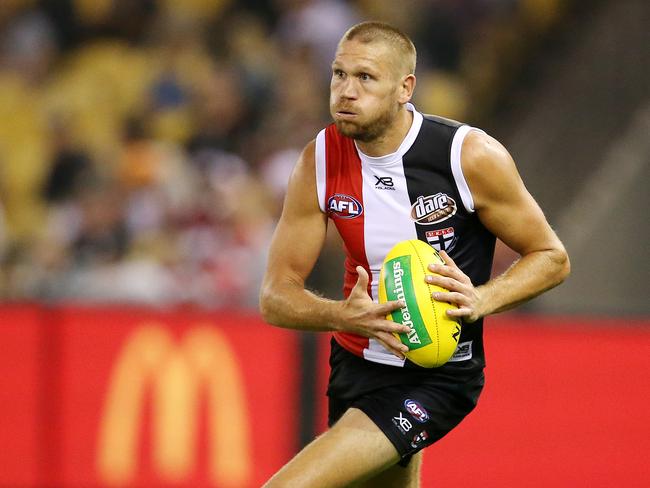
434,336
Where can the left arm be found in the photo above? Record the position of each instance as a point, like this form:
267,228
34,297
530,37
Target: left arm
505,208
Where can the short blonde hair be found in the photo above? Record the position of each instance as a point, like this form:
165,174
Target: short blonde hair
372,31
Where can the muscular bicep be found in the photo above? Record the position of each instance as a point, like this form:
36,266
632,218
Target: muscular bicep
300,233
502,202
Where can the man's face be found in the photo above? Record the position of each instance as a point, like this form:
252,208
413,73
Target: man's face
364,89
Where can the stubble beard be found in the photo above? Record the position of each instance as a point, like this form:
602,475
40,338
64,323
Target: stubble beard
370,131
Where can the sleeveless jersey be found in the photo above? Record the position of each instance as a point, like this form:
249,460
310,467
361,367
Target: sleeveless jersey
418,192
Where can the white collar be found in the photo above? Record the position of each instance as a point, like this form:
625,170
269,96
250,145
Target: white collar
403,147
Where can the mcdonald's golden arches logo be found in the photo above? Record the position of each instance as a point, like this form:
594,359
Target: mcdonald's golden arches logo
202,366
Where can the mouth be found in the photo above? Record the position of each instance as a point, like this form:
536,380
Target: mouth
345,114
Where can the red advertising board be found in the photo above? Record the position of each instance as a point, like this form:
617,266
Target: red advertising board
134,398
142,398
20,396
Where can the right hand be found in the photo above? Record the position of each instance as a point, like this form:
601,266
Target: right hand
360,315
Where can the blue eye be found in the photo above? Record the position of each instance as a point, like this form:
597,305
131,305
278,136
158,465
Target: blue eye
364,77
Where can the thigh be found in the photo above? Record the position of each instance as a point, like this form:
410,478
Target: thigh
352,451
397,476
414,416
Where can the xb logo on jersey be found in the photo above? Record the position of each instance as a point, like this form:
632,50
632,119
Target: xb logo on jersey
344,206
384,183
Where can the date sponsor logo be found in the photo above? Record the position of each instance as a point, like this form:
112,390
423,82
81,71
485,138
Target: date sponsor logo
432,209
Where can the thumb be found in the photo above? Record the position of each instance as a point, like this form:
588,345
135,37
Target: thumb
361,285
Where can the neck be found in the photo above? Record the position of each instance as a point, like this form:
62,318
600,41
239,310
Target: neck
390,140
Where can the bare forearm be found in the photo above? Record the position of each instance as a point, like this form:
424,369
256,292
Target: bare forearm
528,277
291,306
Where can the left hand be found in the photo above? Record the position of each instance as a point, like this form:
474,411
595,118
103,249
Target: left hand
461,290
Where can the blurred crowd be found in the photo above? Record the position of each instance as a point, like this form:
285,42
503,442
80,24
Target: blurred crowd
145,145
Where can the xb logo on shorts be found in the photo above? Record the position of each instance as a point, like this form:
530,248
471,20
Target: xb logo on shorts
344,206
402,423
416,410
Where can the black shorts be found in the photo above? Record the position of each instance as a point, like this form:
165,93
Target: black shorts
414,408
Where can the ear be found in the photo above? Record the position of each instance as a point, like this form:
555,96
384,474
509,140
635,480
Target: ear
406,88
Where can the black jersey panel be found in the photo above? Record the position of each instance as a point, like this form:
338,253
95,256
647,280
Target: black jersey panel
440,217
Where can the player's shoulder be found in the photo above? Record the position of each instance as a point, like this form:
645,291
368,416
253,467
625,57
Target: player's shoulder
480,151
307,158
437,120
309,148
487,167
301,190
439,130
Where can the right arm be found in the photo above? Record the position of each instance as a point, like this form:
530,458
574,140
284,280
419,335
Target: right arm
296,244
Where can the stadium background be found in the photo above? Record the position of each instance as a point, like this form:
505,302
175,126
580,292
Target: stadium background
144,152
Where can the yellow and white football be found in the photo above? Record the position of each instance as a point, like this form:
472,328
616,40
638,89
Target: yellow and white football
434,335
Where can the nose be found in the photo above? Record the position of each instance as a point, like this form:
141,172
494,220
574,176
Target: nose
349,89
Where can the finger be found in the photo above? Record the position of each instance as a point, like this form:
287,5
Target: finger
465,313
443,269
388,307
451,297
390,342
459,312
390,326
450,284
361,286
447,259
448,271
446,266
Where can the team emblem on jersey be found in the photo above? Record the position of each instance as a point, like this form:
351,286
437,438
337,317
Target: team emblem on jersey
433,209
442,239
419,439
344,206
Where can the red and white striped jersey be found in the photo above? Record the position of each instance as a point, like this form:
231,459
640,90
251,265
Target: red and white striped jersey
418,192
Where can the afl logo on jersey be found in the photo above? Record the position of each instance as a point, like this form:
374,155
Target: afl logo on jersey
344,206
433,209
